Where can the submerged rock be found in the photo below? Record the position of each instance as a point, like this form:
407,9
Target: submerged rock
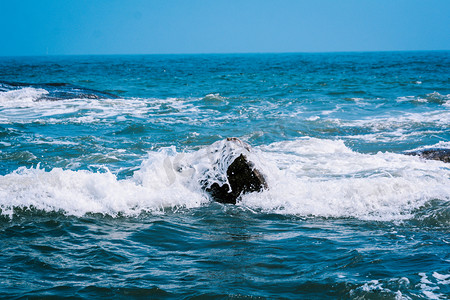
434,154
242,178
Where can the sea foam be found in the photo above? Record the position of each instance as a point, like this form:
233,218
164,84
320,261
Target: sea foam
306,177
23,97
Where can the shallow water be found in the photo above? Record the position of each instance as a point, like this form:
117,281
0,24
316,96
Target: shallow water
101,197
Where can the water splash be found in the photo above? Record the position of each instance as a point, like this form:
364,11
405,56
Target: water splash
306,177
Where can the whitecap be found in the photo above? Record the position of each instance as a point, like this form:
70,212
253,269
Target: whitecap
307,177
24,97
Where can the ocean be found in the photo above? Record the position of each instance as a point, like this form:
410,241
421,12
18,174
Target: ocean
102,161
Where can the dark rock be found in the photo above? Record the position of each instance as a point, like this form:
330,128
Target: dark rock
242,177
434,154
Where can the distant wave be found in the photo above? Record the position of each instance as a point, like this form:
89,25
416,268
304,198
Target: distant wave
53,91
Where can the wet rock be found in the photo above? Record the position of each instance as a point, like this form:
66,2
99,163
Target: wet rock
434,154
242,177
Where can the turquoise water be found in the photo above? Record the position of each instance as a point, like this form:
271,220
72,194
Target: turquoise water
100,193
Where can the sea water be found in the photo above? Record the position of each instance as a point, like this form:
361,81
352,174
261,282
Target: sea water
101,195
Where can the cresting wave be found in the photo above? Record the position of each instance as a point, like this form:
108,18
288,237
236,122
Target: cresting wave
434,97
307,177
30,105
54,91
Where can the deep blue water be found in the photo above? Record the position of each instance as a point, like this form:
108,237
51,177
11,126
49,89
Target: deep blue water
100,177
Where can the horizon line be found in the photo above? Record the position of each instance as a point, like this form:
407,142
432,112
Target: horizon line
224,53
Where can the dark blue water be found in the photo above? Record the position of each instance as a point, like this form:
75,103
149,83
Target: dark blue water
102,160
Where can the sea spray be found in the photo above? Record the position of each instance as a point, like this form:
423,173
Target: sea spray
306,177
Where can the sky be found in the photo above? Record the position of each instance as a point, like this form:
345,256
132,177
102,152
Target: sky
73,27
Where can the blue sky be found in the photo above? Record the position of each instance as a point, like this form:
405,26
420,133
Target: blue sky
39,27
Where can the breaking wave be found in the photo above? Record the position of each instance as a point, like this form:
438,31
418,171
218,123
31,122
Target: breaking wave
306,177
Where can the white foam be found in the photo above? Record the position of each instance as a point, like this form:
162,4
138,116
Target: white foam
429,289
372,285
80,192
438,117
442,278
166,179
306,177
437,97
214,98
53,142
434,97
396,135
325,178
401,127
313,118
440,144
411,99
25,110
23,97
381,287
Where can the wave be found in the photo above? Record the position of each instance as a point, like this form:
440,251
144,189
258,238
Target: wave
434,97
396,128
54,91
23,97
20,106
306,177
25,103
28,105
